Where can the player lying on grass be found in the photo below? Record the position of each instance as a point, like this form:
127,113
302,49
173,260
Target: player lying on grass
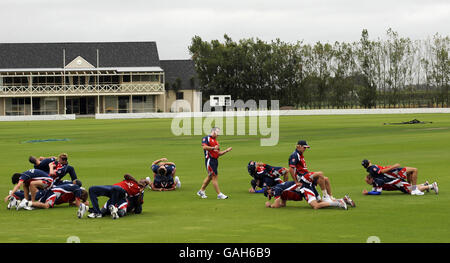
297,191
164,178
395,172
129,187
31,181
265,175
126,206
55,167
300,173
67,193
385,183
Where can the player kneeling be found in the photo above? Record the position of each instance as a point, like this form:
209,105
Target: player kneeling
125,206
129,187
296,192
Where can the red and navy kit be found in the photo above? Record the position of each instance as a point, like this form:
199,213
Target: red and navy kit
268,175
385,183
287,191
44,164
66,193
36,175
270,171
375,171
165,181
131,187
297,161
211,142
61,170
211,156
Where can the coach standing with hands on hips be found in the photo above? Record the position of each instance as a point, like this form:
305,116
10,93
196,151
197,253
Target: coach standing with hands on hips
212,152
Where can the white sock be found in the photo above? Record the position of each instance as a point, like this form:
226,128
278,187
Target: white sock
334,203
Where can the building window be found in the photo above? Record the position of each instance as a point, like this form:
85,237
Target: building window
126,78
180,95
18,106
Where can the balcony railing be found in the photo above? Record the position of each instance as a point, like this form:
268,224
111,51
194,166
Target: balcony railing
82,89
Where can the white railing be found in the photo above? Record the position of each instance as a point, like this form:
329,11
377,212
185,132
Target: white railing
82,89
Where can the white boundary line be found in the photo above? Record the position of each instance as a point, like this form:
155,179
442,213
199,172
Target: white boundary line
270,113
38,117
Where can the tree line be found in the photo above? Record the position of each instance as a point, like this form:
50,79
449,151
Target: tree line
394,72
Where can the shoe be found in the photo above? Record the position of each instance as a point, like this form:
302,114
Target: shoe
349,201
417,192
201,194
221,196
427,183
435,187
113,211
82,210
22,204
342,204
12,202
177,181
94,215
29,208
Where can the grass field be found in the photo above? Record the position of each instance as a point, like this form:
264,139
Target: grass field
103,150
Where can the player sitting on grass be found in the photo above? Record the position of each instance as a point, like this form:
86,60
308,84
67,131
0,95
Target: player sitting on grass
129,187
385,183
265,175
55,167
300,173
31,180
394,172
164,178
297,191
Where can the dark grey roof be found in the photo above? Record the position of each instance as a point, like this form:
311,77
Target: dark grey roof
50,55
182,69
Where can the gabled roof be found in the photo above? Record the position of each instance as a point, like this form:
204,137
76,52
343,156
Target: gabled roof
182,69
50,55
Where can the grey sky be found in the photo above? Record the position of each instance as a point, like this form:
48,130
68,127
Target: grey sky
172,23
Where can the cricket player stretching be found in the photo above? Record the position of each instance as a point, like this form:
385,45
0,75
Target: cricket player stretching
212,152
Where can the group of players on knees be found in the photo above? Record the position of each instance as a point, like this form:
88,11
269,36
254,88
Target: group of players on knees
268,180
43,187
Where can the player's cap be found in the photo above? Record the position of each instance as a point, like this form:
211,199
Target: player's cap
365,163
303,143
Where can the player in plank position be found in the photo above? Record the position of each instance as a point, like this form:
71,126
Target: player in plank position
66,193
212,153
129,187
164,178
31,181
265,175
300,173
395,172
384,183
297,191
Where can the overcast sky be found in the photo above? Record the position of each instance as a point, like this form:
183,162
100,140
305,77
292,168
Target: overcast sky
173,23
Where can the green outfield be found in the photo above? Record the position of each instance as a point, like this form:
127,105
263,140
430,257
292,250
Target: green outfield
103,150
